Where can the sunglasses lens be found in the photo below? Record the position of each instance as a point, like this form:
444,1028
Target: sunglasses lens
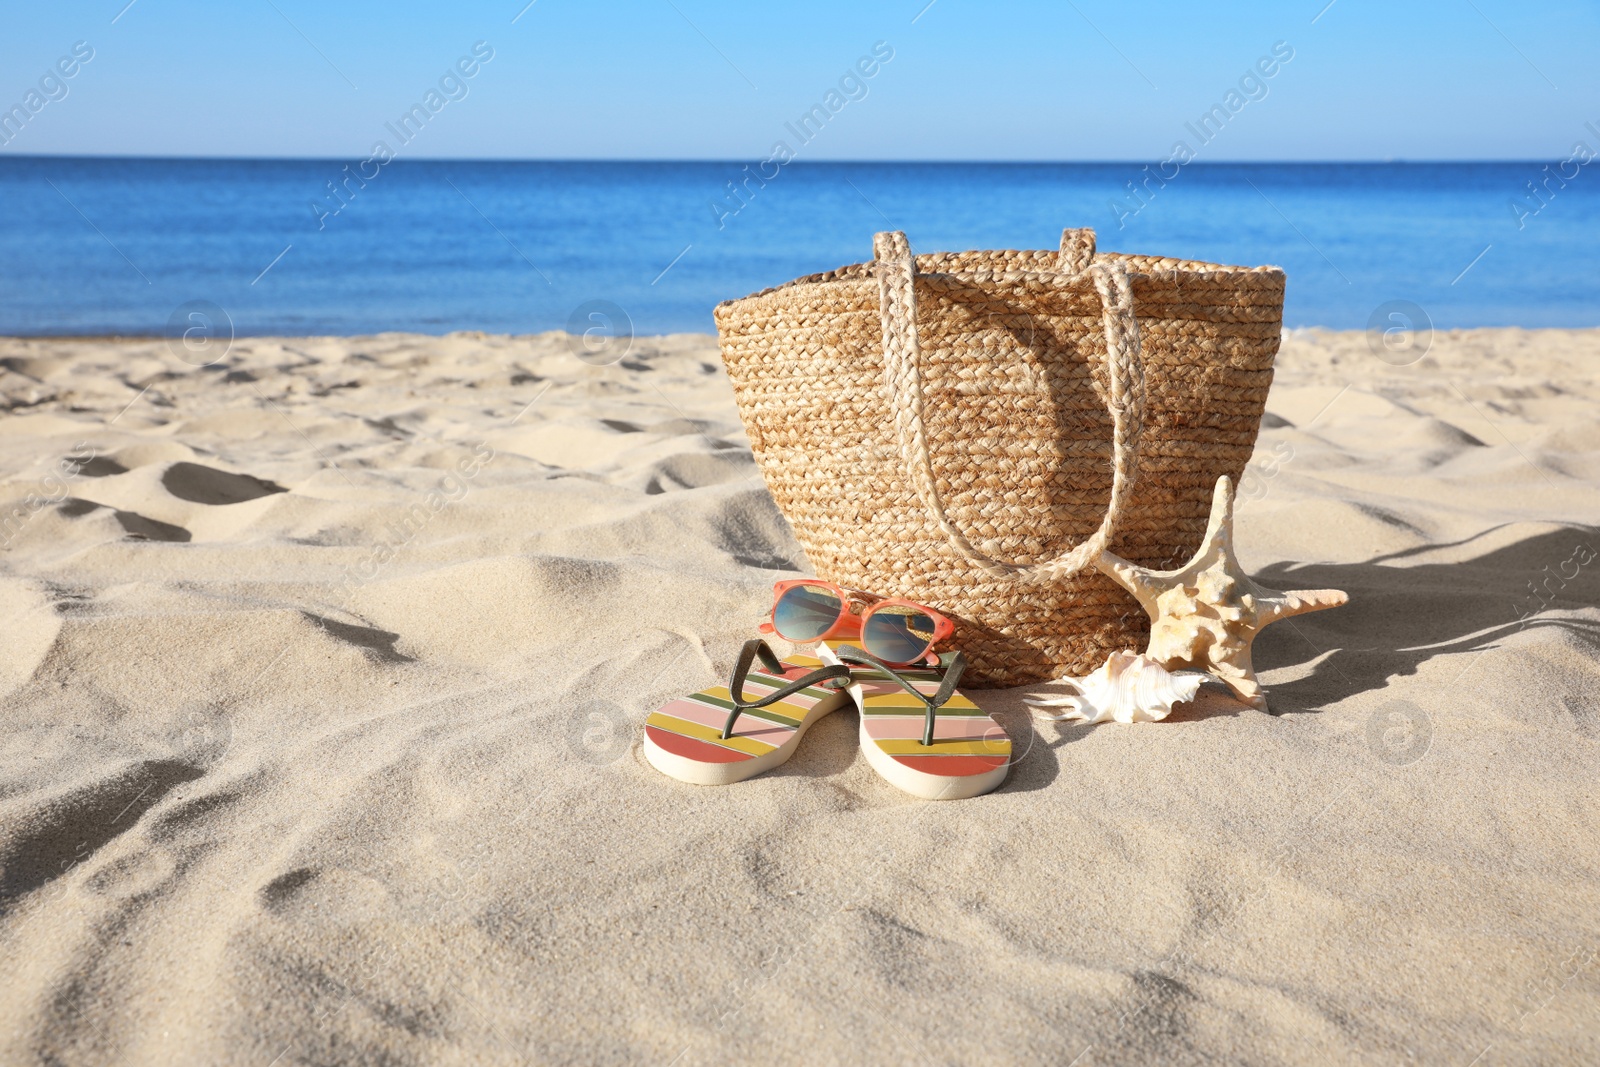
898,634
806,612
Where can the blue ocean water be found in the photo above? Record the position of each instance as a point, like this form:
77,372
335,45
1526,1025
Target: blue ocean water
114,246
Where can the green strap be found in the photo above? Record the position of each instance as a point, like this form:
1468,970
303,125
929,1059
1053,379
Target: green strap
741,671
947,688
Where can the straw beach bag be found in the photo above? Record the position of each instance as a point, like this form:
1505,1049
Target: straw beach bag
969,430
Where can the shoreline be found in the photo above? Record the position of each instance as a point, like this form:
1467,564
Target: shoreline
110,338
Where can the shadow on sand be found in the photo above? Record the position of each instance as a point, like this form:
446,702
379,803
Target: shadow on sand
1399,617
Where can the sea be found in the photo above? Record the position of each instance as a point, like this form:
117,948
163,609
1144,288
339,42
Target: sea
120,246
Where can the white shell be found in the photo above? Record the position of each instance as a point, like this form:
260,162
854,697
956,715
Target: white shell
1129,688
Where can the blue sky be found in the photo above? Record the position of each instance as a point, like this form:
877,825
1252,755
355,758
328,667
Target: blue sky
708,79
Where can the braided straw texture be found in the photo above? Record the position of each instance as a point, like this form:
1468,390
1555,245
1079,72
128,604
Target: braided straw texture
1006,398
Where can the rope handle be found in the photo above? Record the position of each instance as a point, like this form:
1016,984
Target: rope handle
897,269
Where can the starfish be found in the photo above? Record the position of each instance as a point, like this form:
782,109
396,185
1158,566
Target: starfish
1205,615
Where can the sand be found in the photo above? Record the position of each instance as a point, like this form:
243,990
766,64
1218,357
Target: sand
322,672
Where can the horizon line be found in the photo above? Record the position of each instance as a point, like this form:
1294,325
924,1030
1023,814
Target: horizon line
737,161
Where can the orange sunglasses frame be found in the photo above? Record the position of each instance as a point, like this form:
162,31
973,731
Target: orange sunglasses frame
849,624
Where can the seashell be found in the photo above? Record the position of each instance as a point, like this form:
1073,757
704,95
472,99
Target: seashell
1129,687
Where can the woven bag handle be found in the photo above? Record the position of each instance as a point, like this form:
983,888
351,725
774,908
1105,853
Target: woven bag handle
902,374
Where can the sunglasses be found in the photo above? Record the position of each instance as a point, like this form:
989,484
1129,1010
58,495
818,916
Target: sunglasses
898,632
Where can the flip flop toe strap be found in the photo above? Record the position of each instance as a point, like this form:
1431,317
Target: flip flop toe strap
741,671
947,688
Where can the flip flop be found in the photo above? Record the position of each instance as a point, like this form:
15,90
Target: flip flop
723,735
921,734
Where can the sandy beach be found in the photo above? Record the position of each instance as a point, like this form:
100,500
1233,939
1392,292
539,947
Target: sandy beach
323,667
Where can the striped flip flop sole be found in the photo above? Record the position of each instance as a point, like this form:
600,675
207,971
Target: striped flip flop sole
684,739
970,754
